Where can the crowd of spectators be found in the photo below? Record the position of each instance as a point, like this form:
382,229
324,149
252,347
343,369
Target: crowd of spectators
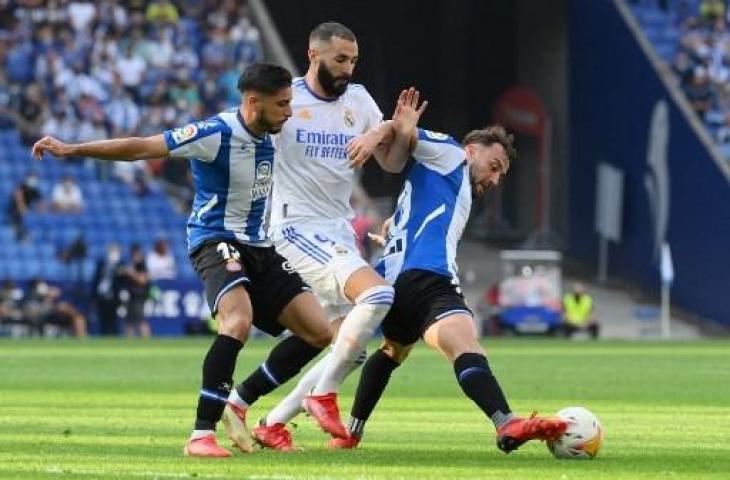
702,63
120,289
38,310
83,70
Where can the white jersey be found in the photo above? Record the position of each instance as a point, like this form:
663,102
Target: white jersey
312,178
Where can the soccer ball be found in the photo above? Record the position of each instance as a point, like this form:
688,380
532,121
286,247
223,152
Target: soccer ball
583,437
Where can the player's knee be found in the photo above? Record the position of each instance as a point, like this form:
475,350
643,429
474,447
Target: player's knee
376,301
454,350
320,337
234,322
379,298
395,350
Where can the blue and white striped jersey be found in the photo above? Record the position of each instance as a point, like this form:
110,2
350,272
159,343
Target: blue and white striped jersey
232,170
432,210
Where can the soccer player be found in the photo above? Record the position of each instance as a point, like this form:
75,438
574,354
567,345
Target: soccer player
246,281
310,219
419,257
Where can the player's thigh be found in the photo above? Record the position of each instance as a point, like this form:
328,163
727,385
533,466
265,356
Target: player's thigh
402,324
313,265
328,259
453,336
305,318
221,269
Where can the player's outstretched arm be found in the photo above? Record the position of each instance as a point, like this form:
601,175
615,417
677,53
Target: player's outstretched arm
393,157
362,147
126,149
392,141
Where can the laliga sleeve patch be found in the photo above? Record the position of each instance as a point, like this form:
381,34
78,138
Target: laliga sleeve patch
185,133
435,135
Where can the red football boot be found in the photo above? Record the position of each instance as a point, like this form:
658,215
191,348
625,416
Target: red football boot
205,447
324,410
519,430
351,441
275,436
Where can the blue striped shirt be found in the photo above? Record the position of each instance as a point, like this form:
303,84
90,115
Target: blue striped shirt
232,171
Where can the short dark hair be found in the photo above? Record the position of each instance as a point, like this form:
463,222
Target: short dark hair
490,135
265,78
325,31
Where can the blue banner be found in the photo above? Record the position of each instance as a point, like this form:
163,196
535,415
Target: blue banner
178,307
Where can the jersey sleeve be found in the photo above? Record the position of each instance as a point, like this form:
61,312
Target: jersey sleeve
438,151
198,140
373,115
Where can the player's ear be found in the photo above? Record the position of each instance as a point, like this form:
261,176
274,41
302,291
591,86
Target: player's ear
312,54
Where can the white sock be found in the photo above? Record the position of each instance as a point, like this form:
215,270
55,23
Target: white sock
291,405
356,330
236,399
201,433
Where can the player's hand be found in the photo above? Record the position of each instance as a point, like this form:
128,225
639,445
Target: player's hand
407,111
52,146
361,148
380,239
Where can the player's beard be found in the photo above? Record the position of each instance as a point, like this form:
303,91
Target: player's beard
476,190
267,125
332,86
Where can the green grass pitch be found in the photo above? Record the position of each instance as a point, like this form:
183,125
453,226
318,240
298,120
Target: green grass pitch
122,409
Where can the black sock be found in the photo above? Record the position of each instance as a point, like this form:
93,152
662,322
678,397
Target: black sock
218,367
285,361
478,382
373,380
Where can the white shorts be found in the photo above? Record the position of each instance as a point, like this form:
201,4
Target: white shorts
325,254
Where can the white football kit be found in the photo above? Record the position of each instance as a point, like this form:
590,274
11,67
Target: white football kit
311,212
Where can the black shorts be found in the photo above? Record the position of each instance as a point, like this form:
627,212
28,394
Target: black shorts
422,298
270,280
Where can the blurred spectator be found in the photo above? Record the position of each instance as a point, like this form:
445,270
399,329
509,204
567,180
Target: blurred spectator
73,255
131,68
137,285
22,199
711,10
81,14
134,175
160,261
699,93
67,196
106,288
11,298
578,312
683,68
162,11
61,125
176,180
43,306
28,114
123,114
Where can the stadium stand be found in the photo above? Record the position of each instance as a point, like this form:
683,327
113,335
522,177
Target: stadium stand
88,70
692,37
